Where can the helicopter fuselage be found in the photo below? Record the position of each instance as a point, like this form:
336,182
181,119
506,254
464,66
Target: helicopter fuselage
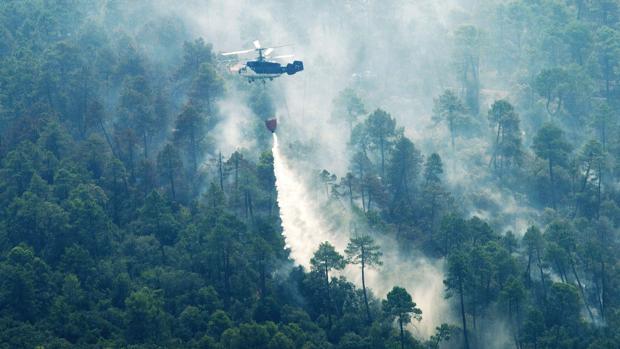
262,69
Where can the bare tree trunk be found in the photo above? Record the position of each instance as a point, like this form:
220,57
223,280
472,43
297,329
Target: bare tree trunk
528,269
583,294
382,141
171,178
350,192
603,289
463,315
221,172
542,275
402,333
146,154
369,318
329,299
552,183
194,151
107,137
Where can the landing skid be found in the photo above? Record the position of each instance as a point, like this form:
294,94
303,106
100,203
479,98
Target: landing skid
261,80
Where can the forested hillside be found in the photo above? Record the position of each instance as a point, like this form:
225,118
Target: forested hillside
126,222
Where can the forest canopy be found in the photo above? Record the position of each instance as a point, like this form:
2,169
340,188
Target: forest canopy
130,218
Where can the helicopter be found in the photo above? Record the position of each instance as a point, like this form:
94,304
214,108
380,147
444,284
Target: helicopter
262,68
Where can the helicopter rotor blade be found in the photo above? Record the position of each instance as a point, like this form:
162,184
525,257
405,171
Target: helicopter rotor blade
235,68
237,52
256,44
268,51
285,45
283,56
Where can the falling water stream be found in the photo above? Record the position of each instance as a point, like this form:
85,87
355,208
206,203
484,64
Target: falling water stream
304,229
301,225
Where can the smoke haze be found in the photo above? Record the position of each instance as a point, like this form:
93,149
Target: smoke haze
397,56
304,228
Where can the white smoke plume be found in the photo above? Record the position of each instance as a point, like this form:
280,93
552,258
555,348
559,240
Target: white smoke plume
397,56
232,132
304,227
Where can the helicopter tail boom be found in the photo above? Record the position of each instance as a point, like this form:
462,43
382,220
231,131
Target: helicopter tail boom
293,68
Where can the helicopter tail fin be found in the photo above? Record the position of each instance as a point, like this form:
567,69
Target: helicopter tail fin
294,67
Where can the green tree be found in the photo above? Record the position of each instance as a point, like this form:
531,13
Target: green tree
607,51
351,105
55,138
361,170
602,123
403,171
456,281
468,41
549,144
562,237
115,182
190,134
360,139
552,84
591,163
535,246
443,333
381,128
90,225
513,295
280,341
448,109
349,182
579,40
363,251
507,150
432,190
564,306
263,256
25,289
191,321
127,142
255,335
206,87
351,340
20,164
155,218
146,320
135,104
39,223
266,179
169,165
325,259
452,233
195,53
218,323
401,306
224,256
533,328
